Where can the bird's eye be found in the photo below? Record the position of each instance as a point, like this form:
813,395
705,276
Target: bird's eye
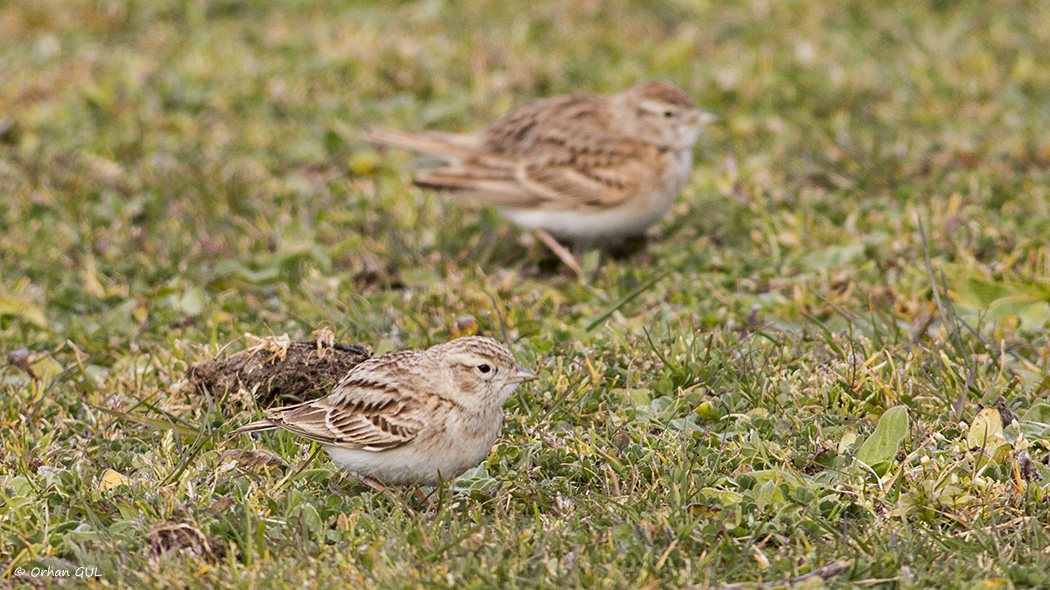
484,368
668,114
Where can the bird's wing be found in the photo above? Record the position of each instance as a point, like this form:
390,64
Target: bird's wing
563,152
560,153
588,171
370,409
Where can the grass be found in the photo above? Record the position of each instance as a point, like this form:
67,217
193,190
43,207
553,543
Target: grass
865,229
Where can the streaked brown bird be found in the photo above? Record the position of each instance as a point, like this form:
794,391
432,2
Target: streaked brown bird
587,168
411,417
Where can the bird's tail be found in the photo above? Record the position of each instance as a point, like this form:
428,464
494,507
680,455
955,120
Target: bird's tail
452,147
257,426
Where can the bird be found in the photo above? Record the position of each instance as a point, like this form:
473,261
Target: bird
414,417
584,168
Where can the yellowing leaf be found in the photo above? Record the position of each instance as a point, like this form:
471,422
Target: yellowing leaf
986,430
707,411
849,437
725,496
112,479
760,557
364,164
465,326
39,365
24,310
993,584
89,279
697,509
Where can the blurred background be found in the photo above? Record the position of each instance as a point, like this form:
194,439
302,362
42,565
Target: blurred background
154,155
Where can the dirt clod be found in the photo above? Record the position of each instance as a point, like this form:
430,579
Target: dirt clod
184,537
294,372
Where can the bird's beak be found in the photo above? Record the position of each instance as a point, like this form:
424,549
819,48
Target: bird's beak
704,117
523,375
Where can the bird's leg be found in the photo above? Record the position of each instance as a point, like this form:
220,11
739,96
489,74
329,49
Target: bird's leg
379,487
628,247
375,485
560,251
425,499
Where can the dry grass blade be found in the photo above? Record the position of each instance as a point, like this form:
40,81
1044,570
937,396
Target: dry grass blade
826,572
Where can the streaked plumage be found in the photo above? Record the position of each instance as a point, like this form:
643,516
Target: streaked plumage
586,167
411,417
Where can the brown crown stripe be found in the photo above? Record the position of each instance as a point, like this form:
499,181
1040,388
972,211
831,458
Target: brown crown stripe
665,92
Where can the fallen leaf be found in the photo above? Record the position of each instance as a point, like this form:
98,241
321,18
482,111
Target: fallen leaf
111,479
986,430
849,438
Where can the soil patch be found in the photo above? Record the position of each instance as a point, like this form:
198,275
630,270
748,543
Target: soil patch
279,373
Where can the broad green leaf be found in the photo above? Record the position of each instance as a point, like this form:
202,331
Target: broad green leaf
1035,423
640,396
1040,412
39,365
311,518
979,293
707,411
1036,315
724,496
881,447
1017,303
1031,310
768,493
777,476
192,301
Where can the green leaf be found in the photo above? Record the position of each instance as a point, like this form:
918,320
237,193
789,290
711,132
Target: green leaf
23,310
1034,423
726,497
640,396
881,447
155,424
311,518
777,476
1040,412
979,292
1030,309
1036,315
767,494
625,300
